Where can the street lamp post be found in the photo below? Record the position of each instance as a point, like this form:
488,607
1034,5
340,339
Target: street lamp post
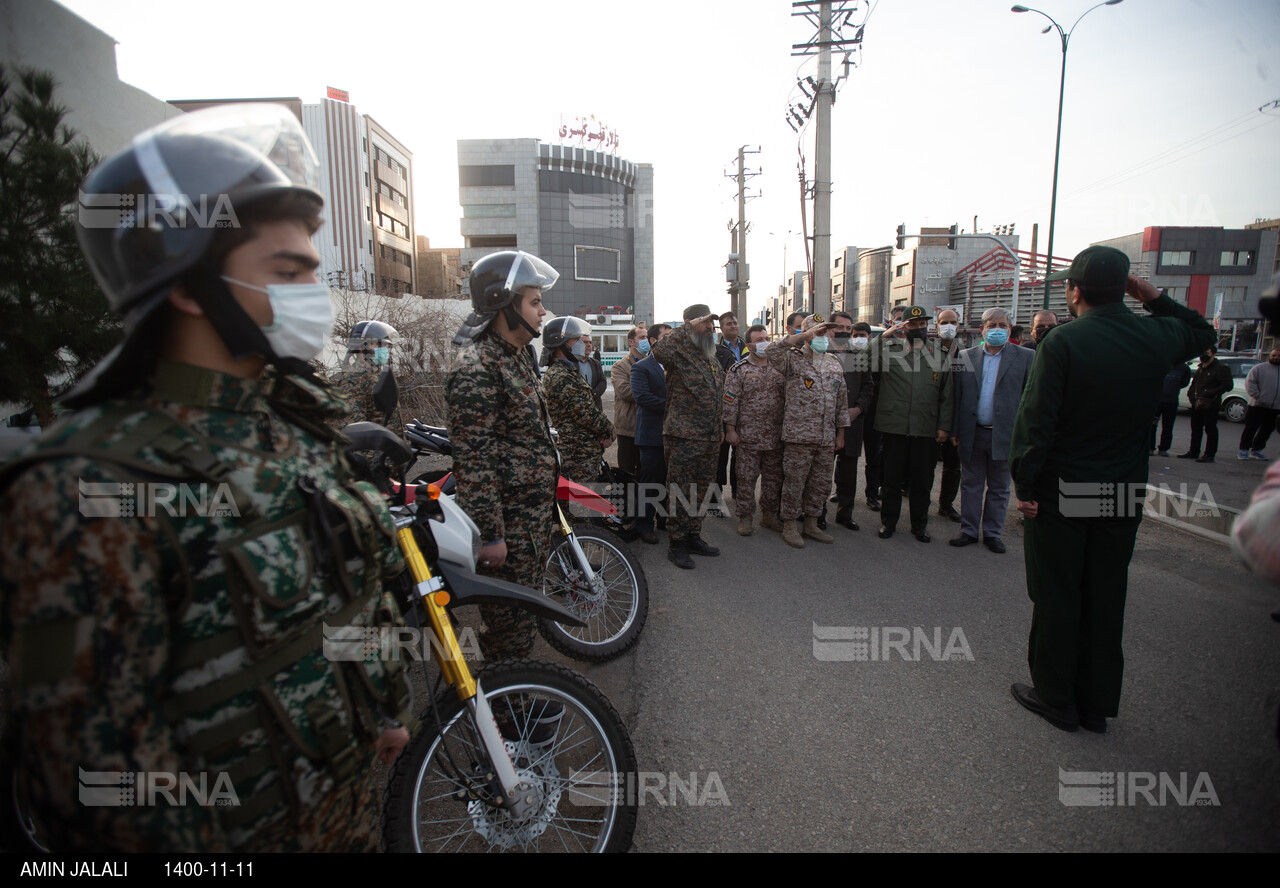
1057,145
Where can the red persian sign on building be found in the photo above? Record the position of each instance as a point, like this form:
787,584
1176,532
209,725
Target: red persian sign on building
587,132
340,95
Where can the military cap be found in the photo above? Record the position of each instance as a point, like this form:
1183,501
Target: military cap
914,313
696,311
1101,268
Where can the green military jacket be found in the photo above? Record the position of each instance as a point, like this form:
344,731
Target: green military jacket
693,387
1094,386
355,382
163,603
914,388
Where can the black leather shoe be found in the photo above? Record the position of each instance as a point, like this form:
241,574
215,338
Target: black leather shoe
923,536
963,540
995,545
649,537
1205,459
845,519
822,520
1066,719
885,533
679,556
949,512
873,504
696,545
834,499
1188,455
1095,723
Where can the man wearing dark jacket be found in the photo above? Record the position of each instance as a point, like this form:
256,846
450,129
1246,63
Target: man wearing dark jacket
861,388
730,349
1211,382
1079,463
1174,382
649,388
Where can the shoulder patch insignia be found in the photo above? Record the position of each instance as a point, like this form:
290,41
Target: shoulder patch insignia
808,382
730,396
936,374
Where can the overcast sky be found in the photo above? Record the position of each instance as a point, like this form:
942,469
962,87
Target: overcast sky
950,112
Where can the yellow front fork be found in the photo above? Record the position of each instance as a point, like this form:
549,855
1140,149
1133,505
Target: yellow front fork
448,653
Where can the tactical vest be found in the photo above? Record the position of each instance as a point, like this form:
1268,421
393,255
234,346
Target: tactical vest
315,556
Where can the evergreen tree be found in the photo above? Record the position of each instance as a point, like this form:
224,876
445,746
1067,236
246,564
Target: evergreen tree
54,321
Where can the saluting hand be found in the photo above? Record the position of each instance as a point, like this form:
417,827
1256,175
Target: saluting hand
1143,291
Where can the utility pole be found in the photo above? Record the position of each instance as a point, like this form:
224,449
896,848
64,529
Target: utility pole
739,275
831,17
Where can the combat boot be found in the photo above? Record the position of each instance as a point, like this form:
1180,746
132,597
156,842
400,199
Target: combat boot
791,534
744,526
679,555
813,532
769,521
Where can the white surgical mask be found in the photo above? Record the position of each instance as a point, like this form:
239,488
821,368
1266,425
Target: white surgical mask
859,342
947,331
760,347
301,318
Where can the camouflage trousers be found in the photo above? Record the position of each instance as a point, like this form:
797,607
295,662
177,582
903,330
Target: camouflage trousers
346,821
691,470
765,465
806,479
583,468
508,631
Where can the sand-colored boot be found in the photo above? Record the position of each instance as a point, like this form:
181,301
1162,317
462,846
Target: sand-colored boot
769,521
791,534
744,526
812,531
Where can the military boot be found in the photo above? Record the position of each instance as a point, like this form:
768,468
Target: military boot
769,521
813,532
679,555
791,534
744,526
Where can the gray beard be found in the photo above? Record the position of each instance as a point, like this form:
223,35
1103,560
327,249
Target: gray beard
706,343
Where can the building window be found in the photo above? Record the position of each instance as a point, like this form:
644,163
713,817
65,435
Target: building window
368,214
367,184
1241,257
900,271
1234,295
493,240
1185,257
365,140
837,287
489,211
597,264
1177,294
492,174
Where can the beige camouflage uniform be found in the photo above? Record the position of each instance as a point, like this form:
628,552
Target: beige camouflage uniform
144,641
816,406
753,404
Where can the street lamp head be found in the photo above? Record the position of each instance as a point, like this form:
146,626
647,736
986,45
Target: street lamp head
1019,9
1114,2
1047,29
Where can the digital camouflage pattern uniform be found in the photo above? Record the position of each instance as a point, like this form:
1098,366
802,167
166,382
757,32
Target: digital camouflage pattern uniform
579,422
145,641
692,429
753,402
816,405
505,467
354,383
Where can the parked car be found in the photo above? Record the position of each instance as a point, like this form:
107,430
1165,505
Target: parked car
1235,402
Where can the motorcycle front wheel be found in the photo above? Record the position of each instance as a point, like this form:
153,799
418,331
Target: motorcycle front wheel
614,610
568,745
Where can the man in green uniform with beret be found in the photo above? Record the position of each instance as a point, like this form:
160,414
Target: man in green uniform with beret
1079,465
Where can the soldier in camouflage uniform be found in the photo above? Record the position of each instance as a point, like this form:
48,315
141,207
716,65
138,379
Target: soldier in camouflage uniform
692,429
503,458
368,354
753,401
813,425
583,428
183,636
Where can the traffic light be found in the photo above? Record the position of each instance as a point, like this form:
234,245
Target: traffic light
902,236
951,241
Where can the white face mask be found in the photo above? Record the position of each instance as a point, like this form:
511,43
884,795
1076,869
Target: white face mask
760,347
302,318
859,342
947,331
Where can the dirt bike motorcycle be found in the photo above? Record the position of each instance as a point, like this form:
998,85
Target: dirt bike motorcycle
523,755
590,570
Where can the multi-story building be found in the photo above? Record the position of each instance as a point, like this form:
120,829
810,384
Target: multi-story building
1219,272
366,177
439,274
588,213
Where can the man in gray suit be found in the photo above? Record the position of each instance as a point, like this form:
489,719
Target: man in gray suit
989,380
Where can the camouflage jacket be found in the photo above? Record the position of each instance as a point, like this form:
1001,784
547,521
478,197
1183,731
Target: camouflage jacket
753,403
693,387
165,614
354,383
577,420
816,401
503,459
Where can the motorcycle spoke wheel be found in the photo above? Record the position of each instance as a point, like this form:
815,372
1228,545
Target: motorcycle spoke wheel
614,612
